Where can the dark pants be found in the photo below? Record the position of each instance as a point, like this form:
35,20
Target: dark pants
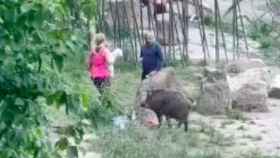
101,83
144,75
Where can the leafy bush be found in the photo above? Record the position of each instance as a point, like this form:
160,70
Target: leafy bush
101,112
261,33
35,36
209,21
236,115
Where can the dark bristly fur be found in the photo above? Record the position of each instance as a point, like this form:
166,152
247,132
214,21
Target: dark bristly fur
171,104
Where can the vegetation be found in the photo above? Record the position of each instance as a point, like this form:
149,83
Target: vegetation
202,141
163,142
35,39
44,45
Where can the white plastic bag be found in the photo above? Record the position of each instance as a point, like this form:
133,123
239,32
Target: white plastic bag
117,53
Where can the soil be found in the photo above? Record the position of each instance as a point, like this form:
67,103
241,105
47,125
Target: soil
259,131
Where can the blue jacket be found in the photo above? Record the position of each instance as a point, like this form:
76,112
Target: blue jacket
152,58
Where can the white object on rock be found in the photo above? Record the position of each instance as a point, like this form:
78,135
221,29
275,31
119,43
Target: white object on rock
120,122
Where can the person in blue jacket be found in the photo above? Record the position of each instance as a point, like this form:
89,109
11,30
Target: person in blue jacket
150,55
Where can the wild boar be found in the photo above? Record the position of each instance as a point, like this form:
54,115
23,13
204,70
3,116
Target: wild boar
171,104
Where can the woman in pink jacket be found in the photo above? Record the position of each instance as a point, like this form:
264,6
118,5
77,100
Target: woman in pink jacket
99,61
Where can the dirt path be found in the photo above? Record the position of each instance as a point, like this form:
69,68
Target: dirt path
268,126
258,132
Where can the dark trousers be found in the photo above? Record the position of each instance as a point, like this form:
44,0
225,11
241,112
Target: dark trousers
144,75
101,84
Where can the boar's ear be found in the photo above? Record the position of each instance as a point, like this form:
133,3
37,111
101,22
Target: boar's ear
192,101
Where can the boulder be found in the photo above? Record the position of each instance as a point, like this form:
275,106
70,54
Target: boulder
254,75
249,90
241,65
251,97
275,88
215,95
163,80
147,118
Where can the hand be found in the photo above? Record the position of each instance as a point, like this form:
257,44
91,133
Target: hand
106,44
140,60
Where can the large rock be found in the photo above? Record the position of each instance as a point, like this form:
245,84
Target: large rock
147,118
250,90
215,95
251,76
241,65
275,88
251,97
163,80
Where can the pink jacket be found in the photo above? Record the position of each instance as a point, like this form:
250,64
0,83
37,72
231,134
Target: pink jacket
98,63
159,1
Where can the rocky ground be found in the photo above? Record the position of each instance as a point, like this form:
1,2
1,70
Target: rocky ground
240,131
257,131
244,130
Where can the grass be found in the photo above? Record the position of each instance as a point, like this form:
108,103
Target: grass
226,123
236,115
164,142
138,141
253,137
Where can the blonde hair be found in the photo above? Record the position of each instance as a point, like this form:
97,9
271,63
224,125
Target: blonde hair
149,36
99,39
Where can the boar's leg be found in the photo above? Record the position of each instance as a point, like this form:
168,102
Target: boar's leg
168,121
186,125
179,124
159,118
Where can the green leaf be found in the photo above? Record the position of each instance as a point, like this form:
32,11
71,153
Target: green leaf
26,7
72,152
86,101
58,97
19,101
58,62
1,21
62,143
70,46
